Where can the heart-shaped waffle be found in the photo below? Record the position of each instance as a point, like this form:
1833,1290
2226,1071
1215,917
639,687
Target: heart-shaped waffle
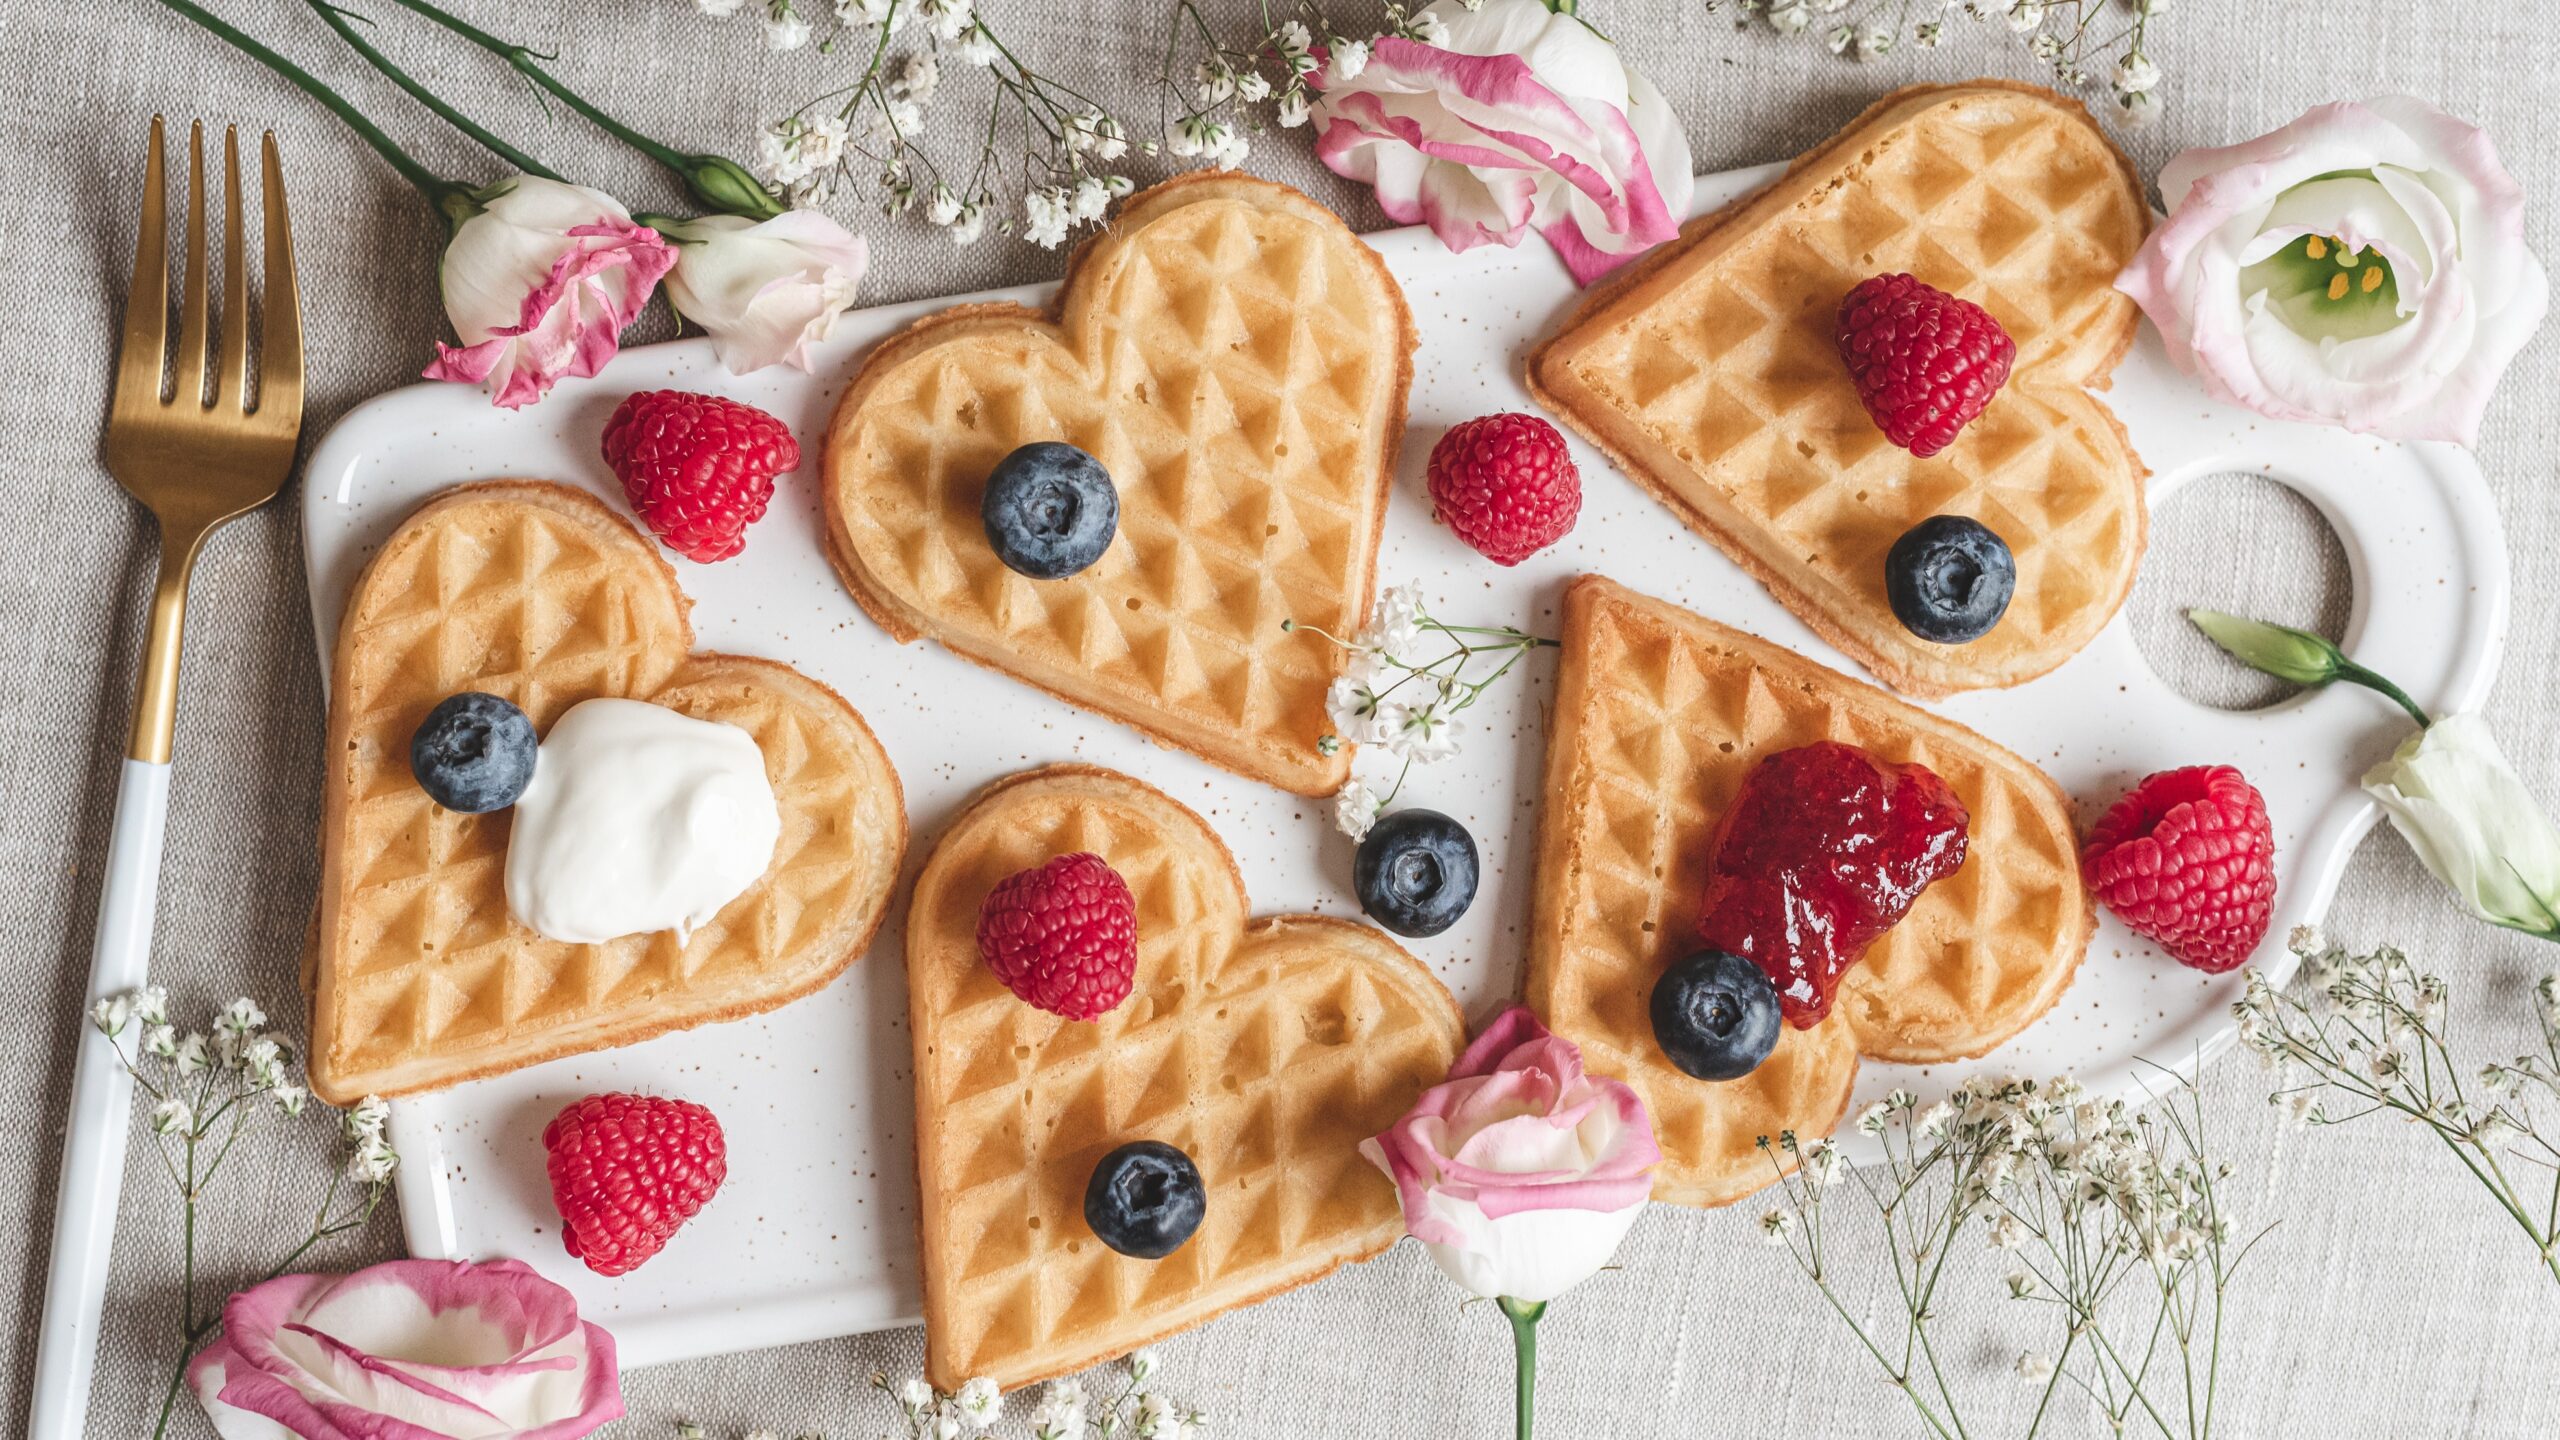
1267,1051
1710,373
1659,714
542,595
1238,361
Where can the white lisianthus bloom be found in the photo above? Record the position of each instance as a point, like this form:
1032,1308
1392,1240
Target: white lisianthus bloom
2364,266
2452,795
765,290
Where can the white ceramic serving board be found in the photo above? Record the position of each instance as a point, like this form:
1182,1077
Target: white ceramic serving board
814,1233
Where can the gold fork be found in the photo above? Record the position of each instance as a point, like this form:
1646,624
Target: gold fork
204,455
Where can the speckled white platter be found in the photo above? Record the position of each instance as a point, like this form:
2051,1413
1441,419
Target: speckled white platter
814,1233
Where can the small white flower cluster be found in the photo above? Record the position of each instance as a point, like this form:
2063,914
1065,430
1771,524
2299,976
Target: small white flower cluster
1286,67
2369,1030
1391,696
2065,34
2077,1193
257,1059
1063,1411
872,126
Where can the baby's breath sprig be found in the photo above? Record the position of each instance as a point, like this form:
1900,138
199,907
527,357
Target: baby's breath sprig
2074,37
2109,1218
1064,1410
206,1089
1407,705
2369,1034
1063,141
1210,116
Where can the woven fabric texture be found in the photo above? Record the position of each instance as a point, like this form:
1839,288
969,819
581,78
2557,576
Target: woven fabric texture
2392,1300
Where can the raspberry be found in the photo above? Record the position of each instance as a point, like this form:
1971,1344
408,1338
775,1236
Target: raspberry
626,1170
1063,936
696,468
1925,362
1506,484
2188,859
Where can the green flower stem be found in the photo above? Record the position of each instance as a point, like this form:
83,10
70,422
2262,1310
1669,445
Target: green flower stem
450,200
1524,1318
719,183
340,21
2355,674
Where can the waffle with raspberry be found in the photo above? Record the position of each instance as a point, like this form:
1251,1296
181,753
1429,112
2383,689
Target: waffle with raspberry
1711,372
1265,1050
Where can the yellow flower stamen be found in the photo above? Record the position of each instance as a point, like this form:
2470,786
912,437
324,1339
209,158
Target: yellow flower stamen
2312,247
2372,279
2337,287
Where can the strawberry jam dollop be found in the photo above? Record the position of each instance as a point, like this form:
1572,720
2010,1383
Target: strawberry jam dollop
1825,848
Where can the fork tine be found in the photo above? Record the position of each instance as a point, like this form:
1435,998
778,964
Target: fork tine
191,313
146,305
280,343
231,372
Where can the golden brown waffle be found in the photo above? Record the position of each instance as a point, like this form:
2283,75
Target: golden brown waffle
540,594
1711,375
1659,714
1238,361
1266,1051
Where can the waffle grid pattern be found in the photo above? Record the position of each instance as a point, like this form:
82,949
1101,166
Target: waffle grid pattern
1660,715
1265,1053
545,599
1721,377
1235,363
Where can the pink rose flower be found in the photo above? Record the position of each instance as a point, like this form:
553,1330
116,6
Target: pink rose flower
541,283
410,1350
2364,266
1515,117
1519,1173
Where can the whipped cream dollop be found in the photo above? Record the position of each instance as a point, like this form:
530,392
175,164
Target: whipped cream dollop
638,819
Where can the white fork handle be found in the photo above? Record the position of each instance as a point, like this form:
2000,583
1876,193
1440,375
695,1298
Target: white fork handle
84,1213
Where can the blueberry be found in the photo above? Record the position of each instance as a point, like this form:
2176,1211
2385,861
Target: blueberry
1050,510
1715,1015
1145,1199
1950,579
474,753
1416,873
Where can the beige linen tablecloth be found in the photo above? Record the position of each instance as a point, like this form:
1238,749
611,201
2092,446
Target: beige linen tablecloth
2392,1300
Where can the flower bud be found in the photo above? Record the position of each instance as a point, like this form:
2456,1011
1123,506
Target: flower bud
2287,654
726,186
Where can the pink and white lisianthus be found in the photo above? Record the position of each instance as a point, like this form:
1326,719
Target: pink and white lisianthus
410,1350
2364,266
540,282
1517,117
765,290
1520,1173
